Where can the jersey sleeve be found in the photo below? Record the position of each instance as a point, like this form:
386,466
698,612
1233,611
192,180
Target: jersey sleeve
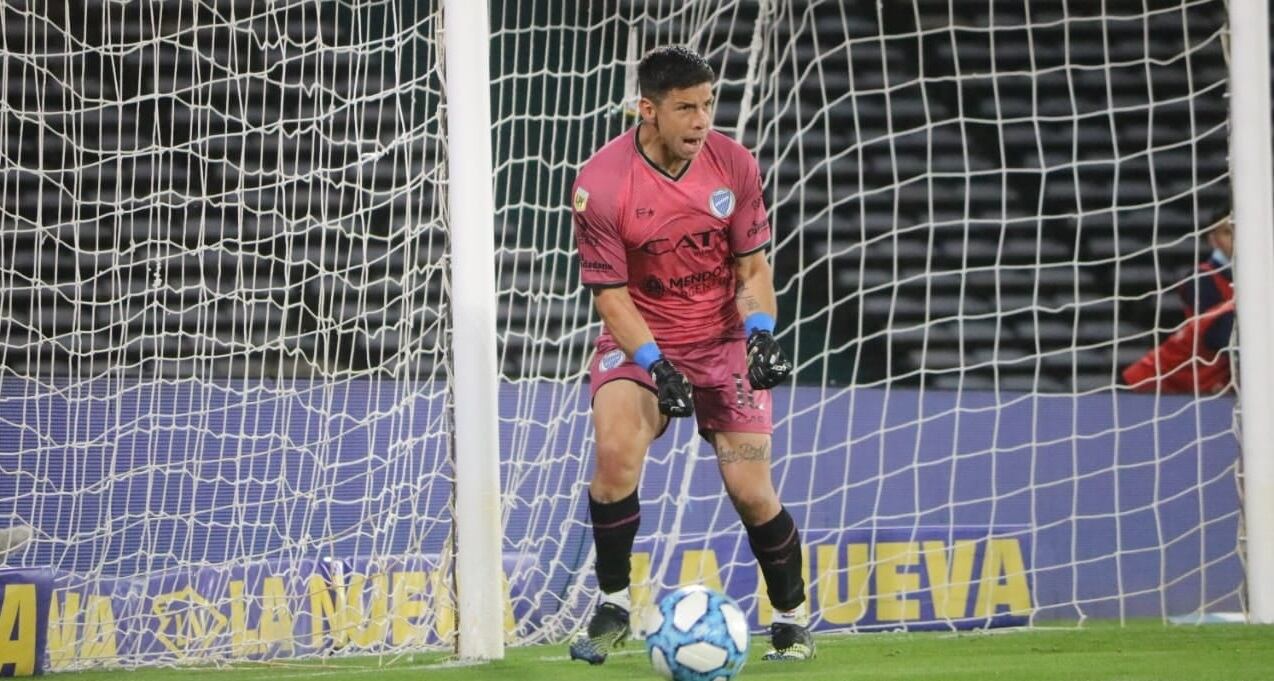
602,257
750,224
1199,292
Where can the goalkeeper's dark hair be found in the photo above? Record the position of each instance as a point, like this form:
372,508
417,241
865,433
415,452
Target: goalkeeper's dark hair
674,67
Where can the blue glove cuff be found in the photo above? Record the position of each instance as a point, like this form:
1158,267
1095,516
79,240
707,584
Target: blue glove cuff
758,321
647,355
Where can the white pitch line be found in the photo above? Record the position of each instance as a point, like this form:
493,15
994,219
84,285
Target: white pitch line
565,658
352,671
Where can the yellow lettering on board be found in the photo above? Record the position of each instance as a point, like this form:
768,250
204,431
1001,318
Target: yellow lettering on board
893,585
949,585
1003,580
276,617
443,606
834,608
408,607
98,639
17,613
243,639
326,606
441,601
275,625
367,618
63,629
510,626
639,578
699,566
353,614
510,623
186,621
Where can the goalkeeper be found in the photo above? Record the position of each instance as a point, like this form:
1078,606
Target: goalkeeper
671,230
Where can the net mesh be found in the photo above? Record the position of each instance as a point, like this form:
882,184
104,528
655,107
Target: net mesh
983,213
223,364
224,328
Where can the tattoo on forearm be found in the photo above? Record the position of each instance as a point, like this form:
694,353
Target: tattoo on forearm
744,452
747,302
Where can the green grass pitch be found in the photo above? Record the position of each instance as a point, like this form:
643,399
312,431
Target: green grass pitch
1139,651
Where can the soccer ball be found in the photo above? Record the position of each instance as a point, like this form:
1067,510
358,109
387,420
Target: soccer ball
696,634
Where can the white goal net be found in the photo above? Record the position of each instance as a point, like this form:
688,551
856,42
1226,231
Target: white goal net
224,369
983,212
224,387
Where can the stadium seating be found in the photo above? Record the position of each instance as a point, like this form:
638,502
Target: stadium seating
986,293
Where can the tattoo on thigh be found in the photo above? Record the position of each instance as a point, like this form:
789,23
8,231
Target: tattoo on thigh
743,452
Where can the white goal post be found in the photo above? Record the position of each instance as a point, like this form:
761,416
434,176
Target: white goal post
1254,229
479,580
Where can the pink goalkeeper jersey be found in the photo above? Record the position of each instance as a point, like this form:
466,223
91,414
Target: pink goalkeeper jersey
671,240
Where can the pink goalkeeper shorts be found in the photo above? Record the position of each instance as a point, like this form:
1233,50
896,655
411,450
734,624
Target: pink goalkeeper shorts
718,370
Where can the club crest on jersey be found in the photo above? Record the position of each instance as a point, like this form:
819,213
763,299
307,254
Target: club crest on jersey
581,200
611,360
721,202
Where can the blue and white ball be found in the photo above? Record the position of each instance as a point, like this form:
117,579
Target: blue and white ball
696,634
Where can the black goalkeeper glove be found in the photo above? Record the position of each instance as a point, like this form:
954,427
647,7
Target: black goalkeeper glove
673,389
767,367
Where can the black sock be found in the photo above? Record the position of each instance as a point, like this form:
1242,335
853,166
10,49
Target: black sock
776,543
614,529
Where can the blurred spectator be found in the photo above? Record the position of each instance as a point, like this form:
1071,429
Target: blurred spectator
1192,360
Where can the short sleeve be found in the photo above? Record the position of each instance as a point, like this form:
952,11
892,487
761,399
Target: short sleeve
602,257
750,224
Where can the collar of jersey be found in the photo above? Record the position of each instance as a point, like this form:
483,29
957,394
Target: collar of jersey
642,152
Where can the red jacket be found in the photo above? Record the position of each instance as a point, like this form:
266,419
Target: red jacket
1183,363
1191,359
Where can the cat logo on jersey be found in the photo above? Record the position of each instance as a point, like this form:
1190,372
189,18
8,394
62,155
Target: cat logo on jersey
581,200
721,202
